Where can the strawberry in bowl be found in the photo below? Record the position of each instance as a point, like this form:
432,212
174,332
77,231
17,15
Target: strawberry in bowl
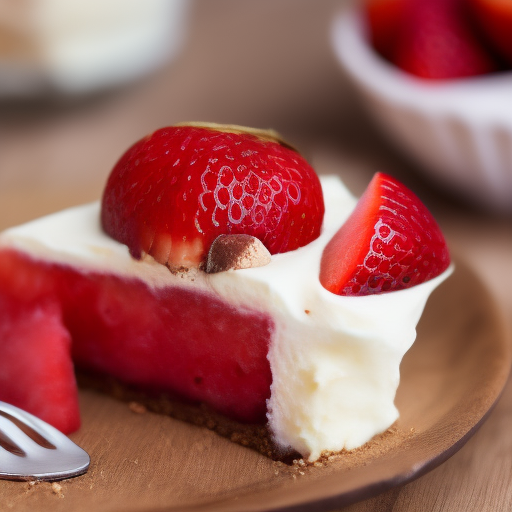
434,40
223,302
433,79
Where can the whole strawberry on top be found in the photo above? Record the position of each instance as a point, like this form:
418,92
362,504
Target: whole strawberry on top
176,190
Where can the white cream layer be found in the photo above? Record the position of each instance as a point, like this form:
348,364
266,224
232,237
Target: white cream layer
334,360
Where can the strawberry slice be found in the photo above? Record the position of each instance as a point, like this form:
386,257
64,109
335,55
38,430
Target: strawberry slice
173,192
36,372
494,17
389,242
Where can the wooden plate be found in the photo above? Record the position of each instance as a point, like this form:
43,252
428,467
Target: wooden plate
451,378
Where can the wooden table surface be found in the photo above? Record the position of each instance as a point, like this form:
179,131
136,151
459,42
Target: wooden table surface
265,64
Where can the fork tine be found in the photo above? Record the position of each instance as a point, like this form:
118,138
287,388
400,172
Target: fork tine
16,435
40,427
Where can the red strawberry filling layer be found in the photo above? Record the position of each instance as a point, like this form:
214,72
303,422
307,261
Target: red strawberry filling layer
190,343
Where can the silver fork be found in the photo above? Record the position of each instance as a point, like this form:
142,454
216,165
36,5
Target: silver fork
30,449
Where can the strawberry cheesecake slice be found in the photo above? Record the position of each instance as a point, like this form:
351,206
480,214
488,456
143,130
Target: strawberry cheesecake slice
219,270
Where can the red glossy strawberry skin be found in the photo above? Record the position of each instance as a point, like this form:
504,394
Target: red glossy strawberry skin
494,17
166,340
434,39
172,193
389,242
37,374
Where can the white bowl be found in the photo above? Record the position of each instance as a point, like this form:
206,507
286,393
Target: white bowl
80,46
460,131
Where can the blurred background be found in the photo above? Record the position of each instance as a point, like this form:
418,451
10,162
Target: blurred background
67,111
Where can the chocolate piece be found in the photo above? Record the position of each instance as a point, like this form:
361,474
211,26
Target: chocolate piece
233,252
